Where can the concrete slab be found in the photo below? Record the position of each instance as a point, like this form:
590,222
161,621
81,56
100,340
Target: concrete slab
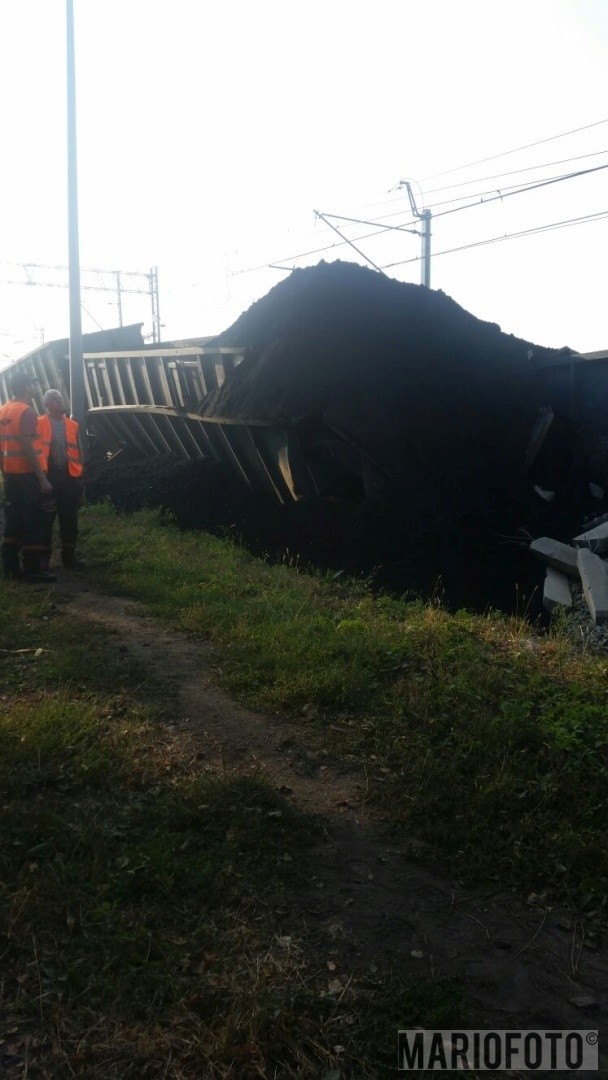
594,576
556,591
595,539
553,553
595,522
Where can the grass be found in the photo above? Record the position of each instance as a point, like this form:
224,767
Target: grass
486,744
149,916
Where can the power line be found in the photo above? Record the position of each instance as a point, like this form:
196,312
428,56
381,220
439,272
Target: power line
516,150
303,254
600,215
497,192
477,194
84,270
506,192
518,190
91,317
347,241
362,221
49,276
483,202
535,186
503,187
515,172
396,213
484,179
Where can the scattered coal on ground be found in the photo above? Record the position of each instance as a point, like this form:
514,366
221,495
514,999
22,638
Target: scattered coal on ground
441,401
474,566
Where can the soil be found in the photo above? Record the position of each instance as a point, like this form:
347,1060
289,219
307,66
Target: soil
520,965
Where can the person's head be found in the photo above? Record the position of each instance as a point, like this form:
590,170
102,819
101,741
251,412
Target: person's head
53,403
21,386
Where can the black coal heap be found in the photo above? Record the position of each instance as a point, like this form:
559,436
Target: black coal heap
443,403
402,369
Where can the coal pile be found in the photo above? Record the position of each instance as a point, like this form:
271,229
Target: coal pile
130,483
438,402
441,401
401,369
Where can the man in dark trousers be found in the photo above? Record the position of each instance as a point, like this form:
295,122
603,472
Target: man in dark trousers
61,449
26,486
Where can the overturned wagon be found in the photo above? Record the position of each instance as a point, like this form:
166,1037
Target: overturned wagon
340,381
147,402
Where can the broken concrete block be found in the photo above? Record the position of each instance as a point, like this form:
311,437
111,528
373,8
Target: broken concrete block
556,591
559,556
594,576
548,496
595,539
595,522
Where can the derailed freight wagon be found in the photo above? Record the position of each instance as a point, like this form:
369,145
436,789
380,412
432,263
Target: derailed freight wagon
344,383
146,402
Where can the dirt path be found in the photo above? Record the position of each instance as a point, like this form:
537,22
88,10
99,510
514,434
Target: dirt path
523,967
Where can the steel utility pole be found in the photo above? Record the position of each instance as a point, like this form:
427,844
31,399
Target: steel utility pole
154,295
77,394
425,217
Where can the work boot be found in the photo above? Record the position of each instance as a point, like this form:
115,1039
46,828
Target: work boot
33,572
13,575
39,577
11,570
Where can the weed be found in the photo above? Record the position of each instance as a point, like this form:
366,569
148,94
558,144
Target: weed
480,739
140,931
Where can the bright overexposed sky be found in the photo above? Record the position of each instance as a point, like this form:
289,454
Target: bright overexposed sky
210,132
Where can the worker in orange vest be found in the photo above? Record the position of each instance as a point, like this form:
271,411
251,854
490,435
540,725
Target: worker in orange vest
26,485
62,456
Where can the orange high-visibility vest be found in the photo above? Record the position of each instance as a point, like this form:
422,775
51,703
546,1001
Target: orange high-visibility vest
72,443
13,460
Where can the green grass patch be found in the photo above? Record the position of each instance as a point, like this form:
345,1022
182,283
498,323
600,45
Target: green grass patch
485,743
149,919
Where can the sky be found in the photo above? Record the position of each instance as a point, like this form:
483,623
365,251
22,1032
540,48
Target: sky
209,133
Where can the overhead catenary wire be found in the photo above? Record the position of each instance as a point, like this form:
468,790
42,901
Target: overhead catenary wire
473,195
494,195
404,227
516,149
362,221
478,180
503,189
361,253
535,186
300,255
484,179
599,215
515,172
500,194
91,316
